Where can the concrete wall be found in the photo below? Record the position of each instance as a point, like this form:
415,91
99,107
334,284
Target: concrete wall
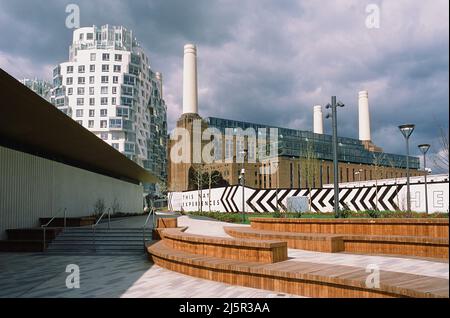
33,187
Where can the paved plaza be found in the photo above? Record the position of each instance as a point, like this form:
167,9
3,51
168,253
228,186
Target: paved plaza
40,275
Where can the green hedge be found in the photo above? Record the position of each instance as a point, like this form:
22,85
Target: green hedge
238,217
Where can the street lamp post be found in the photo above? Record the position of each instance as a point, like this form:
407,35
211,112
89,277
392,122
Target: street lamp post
242,177
407,130
333,116
424,149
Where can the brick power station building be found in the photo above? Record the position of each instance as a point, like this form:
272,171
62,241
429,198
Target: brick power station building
303,159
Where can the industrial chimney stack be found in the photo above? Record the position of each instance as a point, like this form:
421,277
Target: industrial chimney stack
364,116
318,120
190,97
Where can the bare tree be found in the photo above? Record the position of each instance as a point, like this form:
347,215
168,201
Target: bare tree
310,168
199,178
394,165
440,159
378,159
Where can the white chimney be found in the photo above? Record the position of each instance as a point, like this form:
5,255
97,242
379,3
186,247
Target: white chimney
158,76
190,97
318,120
364,116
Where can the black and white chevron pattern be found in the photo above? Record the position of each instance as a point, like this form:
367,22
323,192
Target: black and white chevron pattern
356,199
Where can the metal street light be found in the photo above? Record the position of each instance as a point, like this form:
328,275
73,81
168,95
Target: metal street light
424,149
407,130
242,178
333,116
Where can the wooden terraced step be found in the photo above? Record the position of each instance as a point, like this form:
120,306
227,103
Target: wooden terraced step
263,251
419,246
359,226
295,277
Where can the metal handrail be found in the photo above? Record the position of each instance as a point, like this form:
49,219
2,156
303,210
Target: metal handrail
94,226
152,212
44,226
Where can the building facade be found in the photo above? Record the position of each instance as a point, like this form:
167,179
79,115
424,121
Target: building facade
108,87
40,87
303,159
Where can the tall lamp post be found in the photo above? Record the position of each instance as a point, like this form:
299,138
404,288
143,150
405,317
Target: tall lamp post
242,177
407,130
424,149
333,116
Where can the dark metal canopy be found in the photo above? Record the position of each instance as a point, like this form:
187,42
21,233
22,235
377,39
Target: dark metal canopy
30,124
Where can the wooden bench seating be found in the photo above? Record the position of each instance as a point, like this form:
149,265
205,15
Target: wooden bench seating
264,251
329,243
420,246
364,226
294,277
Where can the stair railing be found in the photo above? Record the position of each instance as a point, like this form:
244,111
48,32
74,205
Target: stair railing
44,226
151,213
94,226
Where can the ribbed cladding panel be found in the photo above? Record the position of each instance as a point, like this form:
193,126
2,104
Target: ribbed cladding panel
21,200
32,187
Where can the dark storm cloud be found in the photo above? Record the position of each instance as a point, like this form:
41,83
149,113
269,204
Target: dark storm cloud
268,61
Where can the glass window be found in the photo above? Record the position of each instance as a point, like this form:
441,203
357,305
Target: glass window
92,68
103,124
105,57
118,57
103,112
89,36
91,91
104,90
104,101
81,69
69,81
115,145
105,68
104,79
91,113
80,101
90,124
91,102
117,68
104,136
80,90
81,80
115,79
93,55
115,123
79,113
113,101
114,90
69,69
70,91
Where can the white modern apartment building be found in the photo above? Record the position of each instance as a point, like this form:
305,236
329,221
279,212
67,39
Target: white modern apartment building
108,87
38,86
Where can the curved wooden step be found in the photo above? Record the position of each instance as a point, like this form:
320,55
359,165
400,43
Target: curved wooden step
294,277
418,246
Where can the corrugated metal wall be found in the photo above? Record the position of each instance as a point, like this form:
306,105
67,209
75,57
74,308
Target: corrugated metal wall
33,187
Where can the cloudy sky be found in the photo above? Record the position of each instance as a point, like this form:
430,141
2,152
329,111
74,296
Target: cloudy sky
268,61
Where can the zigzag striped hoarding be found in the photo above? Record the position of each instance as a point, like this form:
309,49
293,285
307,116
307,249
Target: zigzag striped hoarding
386,195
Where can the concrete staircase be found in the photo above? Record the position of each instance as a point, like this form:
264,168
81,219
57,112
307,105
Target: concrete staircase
114,241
